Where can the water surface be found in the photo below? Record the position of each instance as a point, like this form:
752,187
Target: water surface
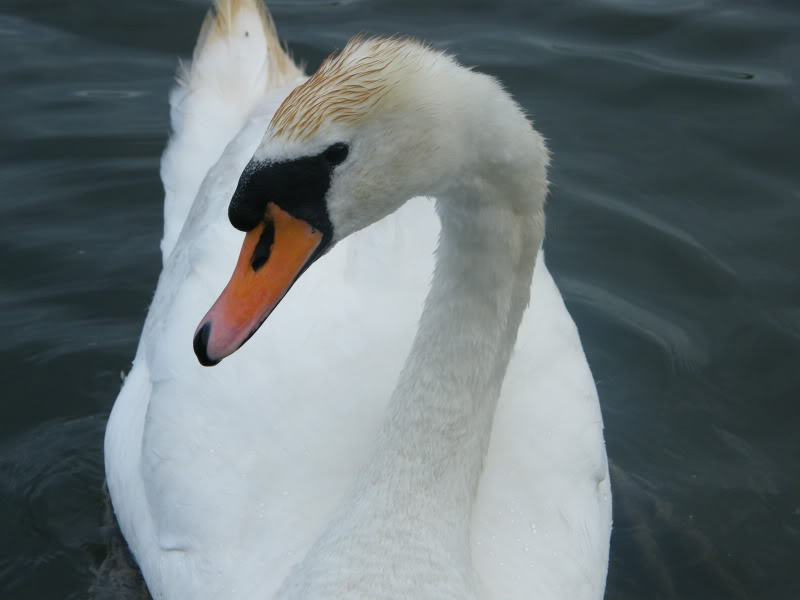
672,231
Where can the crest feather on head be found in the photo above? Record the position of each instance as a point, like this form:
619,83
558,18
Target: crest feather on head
347,86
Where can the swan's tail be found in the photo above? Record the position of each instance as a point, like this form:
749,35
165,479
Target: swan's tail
238,59
238,37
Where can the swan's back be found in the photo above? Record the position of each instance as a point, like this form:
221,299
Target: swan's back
238,62
238,69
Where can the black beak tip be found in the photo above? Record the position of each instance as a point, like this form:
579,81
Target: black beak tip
201,345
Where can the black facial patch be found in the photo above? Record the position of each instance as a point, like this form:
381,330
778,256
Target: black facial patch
337,153
298,186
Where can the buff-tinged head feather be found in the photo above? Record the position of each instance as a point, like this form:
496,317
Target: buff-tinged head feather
348,86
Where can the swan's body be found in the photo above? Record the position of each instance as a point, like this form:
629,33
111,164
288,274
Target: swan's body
225,479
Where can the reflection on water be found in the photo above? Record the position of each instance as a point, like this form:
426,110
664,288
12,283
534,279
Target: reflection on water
672,233
109,94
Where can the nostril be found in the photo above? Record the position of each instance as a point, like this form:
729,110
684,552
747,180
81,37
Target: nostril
201,345
264,247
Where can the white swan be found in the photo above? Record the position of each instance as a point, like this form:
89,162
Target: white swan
313,463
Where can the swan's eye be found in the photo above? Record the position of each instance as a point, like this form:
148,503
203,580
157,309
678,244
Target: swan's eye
337,154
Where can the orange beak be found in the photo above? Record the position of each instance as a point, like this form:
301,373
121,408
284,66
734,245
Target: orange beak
273,255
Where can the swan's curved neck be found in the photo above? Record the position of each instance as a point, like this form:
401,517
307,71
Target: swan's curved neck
407,521
432,444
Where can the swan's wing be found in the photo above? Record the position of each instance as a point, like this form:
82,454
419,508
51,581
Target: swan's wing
542,517
238,73
238,61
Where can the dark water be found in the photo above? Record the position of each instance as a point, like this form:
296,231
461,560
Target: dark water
673,232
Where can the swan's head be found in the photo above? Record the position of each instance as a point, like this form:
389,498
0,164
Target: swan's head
381,122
